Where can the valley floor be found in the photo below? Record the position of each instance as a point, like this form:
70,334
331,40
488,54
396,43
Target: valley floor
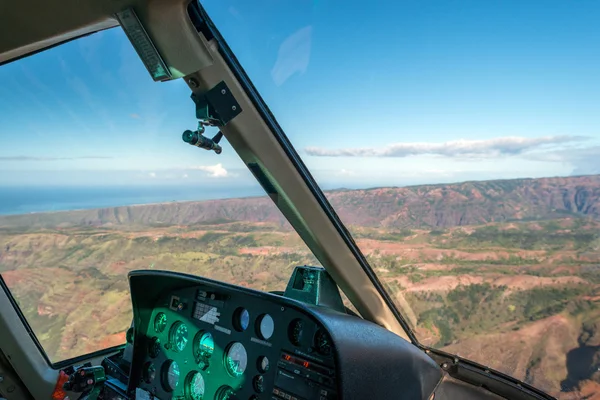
522,298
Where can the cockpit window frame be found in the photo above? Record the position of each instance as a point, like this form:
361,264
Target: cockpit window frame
204,25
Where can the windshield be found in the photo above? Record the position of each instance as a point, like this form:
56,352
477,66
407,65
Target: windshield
91,162
391,105
388,106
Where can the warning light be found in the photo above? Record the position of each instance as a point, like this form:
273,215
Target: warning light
287,357
305,364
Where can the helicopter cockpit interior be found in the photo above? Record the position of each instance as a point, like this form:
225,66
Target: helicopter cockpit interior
197,338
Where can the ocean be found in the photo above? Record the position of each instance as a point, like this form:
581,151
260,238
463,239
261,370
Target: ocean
24,200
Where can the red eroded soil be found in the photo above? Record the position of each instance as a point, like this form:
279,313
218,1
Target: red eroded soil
424,252
110,341
267,250
513,282
512,352
588,390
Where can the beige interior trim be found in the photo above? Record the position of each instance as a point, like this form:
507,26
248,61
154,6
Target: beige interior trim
11,386
27,27
174,36
22,50
23,354
57,21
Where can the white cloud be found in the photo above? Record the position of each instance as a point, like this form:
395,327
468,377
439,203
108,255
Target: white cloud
214,171
503,146
152,175
184,176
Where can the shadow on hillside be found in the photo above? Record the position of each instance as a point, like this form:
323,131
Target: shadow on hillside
582,363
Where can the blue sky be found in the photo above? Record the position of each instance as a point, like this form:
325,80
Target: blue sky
389,93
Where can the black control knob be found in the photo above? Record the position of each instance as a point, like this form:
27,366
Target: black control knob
149,372
258,383
154,347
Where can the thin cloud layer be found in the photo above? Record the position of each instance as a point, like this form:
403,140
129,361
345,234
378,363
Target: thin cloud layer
504,146
584,161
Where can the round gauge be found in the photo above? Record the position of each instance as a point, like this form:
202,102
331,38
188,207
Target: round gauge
259,383
262,364
295,331
204,345
323,342
225,393
149,372
170,375
194,386
160,322
178,336
265,326
241,319
154,347
236,359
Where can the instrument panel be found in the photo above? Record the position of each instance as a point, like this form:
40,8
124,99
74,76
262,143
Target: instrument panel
202,343
199,339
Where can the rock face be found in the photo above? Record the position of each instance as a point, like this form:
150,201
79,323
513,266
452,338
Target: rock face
432,206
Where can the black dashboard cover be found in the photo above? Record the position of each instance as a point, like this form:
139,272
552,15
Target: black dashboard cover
371,362
375,363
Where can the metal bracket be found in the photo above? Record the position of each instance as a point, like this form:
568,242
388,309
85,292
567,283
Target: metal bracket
217,106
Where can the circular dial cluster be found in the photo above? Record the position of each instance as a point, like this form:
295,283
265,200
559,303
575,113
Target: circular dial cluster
262,364
323,342
236,359
204,345
194,386
160,322
225,393
170,375
178,336
265,326
149,372
295,331
241,319
154,347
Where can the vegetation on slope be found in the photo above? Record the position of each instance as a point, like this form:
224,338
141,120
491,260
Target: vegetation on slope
513,263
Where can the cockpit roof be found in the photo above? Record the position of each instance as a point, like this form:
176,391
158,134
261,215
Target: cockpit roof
26,28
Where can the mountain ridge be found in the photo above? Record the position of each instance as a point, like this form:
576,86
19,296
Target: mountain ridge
421,206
